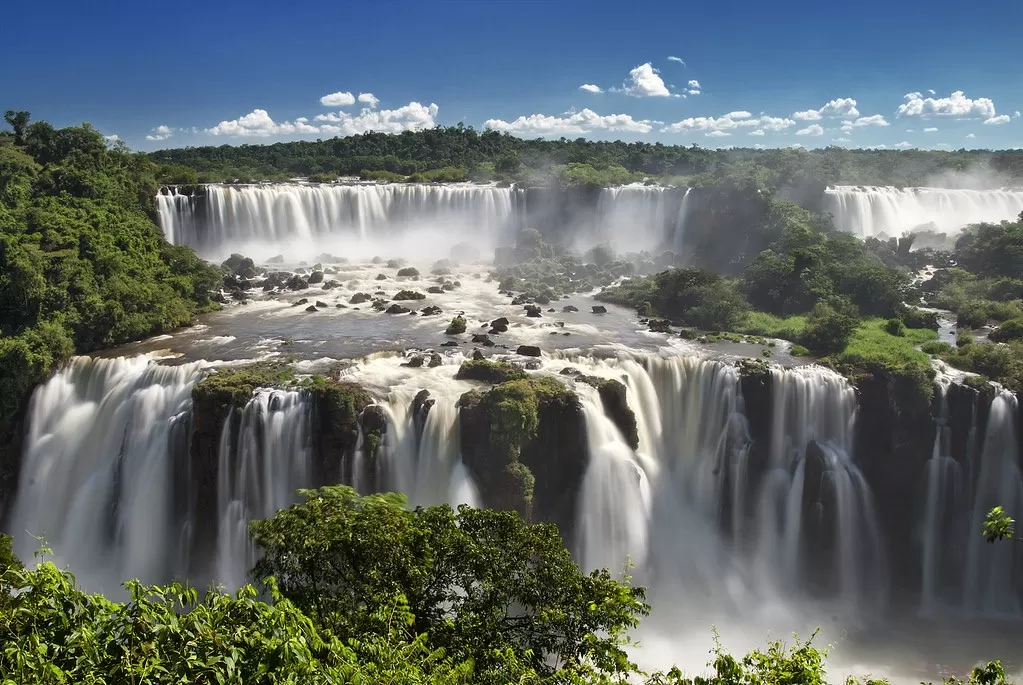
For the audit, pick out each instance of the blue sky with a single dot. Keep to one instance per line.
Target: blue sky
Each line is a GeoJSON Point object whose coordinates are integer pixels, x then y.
{"type": "Point", "coordinates": [865, 74]}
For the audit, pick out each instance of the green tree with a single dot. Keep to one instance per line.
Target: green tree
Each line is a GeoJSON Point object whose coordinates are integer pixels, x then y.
{"type": "Point", "coordinates": [18, 121]}
{"type": "Point", "coordinates": [478, 583]}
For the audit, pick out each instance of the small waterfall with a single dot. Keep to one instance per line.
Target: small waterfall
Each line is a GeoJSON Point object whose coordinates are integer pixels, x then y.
{"type": "Point", "coordinates": [990, 586]}
{"type": "Point", "coordinates": [176, 215]}
{"type": "Point", "coordinates": [870, 210]}
{"type": "Point", "coordinates": [100, 457]}
{"type": "Point", "coordinates": [259, 470]}
{"type": "Point", "coordinates": [944, 501]}
{"type": "Point", "coordinates": [614, 510]}
{"type": "Point", "coordinates": [678, 234]}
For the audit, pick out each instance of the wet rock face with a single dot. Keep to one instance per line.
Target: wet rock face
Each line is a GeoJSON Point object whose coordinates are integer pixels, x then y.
{"type": "Point", "coordinates": [209, 412]}
{"type": "Point", "coordinates": [894, 438]}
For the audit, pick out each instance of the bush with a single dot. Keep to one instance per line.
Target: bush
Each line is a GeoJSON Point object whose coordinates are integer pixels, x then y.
{"type": "Point", "coordinates": [895, 327]}
{"type": "Point", "coordinates": [828, 330]}
{"type": "Point", "coordinates": [688, 297]}
{"type": "Point", "coordinates": [1010, 330]}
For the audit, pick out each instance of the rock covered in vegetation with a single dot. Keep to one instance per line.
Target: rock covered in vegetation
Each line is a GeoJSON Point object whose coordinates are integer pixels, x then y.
{"type": "Point", "coordinates": [493, 372]}
{"type": "Point", "coordinates": [456, 327]}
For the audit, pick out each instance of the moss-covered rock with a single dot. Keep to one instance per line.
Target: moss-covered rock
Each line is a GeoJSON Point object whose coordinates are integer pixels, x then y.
{"type": "Point", "coordinates": [524, 443]}
{"type": "Point", "coordinates": [234, 386]}
{"type": "Point", "coordinates": [338, 407]}
{"type": "Point", "coordinates": [614, 399]}
{"type": "Point", "coordinates": [456, 327]}
{"type": "Point", "coordinates": [493, 372]}
{"type": "Point", "coordinates": [409, 295]}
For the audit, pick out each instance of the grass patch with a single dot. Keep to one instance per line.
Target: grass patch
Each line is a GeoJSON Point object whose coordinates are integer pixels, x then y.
{"type": "Point", "coordinates": [771, 326]}
{"type": "Point", "coordinates": [873, 344]}
{"type": "Point", "coordinates": [236, 385]}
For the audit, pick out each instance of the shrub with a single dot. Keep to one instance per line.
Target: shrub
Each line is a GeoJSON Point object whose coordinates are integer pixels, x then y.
{"type": "Point", "coordinates": [895, 327]}
{"type": "Point", "coordinates": [1010, 330]}
{"type": "Point", "coordinates": [828, 330]}
{"type": "Point", "coordinates": [456, 327]}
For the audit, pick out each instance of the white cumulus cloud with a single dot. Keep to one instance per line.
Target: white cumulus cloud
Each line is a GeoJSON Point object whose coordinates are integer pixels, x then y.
{"type": "Point", "coordinates": [971, 136]}
{"type": "Point", "coordinates": [728, 122]}
{"type": "Point", "coordinates": [872, 120]}
{"type": "Point", "coordinates": [931, 129]}
{"type": "Point", "coordinates": [591, 88]}
{"type": "Point", "coordinates": [339, 99]}
{"type": "Point", "coordinates": [644, 81]}
{"type": "Point", "coordinates": [161, 132]}
{"type": "Point", "coordinates": [694, 87]}
{"type": "Point", "coordinates": [904, 144]}
{"type": "Point", "coordinates": [672, 58]}
{"type": "Point", "coordinates": [584, 121]}
{"type": "Point", "coordinates": [112, 138]}
{"type": "Point", "coordinates": [412, 117]}
{"type": "Point", "coordinates": [839, 107]}
{"type": "Point", "coordinates": [259, 124]}
{"type": "Point", "coordinates": [717, 134]}
{"type": "Point", "coordinates": [757, 132]}
{"type": "Point", "coordinates": [840, 140]}
{"type": "Point", "coordinates": [999, 119]}
{"type": "Point", "coordinates": [369, 99]}
{"type": "Point", "coordinates": [811, 130]}
{"type": "Point", "coordinates": [955, 106]}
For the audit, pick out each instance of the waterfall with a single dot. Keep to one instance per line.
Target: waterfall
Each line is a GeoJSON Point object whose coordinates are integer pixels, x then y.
{"type": "Point", "coordinates": [944, 493]}
{"type": "Point", "coordinates": [106, 440]}
{"type": "Point", "coordinates": [990, 572]}
{"type": "Point", "coordinates": [259, 471]}
{"type": "Point", "coordinates": [615, 504]}
{"type": "Point", "coordinates": [870, 210]}
{"type": "Point", "coordinates": [678, 233]}
{"type": "Point", "coordinates": [761, 529]}
{"type": "Point", "coordinates": [411, 218]}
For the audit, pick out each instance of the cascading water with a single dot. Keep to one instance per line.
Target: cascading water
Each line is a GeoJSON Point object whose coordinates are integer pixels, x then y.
{"type": "Point", "coordinates": [105, 438]}
{"type": "Point", "coordinates": [750, 522]}
{"type": "Point", "coordinates": [260, 466]}
{"type": "Point", "coordinates": [614, 510]}
{"type": "Point", "coordinates": [990, 586]}
{"type": "Point", "coordinates": [417, 217]}
{"type": "Point", "coordinates": [870, 210]}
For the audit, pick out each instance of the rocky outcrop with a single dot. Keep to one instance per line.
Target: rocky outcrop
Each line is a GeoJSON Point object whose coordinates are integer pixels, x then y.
{"type": "Point", "coordinates": [614, 400]}
{"type": "Point", "coordinates": [524, 443]}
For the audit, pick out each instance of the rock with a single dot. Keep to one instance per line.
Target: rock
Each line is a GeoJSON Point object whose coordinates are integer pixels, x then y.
{"type": "Point", "coordinates": [550, 310]}
{"type": "Point", "coordinates": [449, 343]}
{"type": "Point", "coordinates": [320, 304]}
{"type": "Point", "coordinates": [409, 295]}
{"type": "Point", "coordinates": [435, 360]}
{"type": "Point", "coordinates": [341, 306]}
{"type": "Point", "coordinates": [500, 322]}
{"type": "Point", "coordinates": [422, 403]}
{"type": "Point", "coordinates": [533, 364]}
{"type": "Point", "coordinates": [407, 272]}
{"type": "Point", "coordinates": [482, 339]}
{"type": "Point", "coordinates": [378, 260]}
{"type": "Point", "coordinates": [570, 371]}
{"type": "Point", "coordinates": [528, 350]}
{"type": "Point", "coordinates": [415, 361]}
{"type": "Point", "coordinates": [330, 285]}
{"type": "Point", "coordinates": [300, 302]}
{"type": "Point", "coordinates": [316, 277]}
{"type": "Point", "coordinates": [569, 308]}
{"type": "Point", "coordinates": [543, 299]}
{"type": "Point", "coordinates": [477, 354]}
{"type": "Point", "coordinates": [359, 298]}
{"type": "Point", "coordinates": [276, 259]}
{"type": "Point", "coordinates": [532, 311]}
{"type": "Point", "coordinates": [397, 309]}
{"type": "Point", "coordinates": [381, 277]}
{"type": "Point", "coordinates": [435, 290]}
{"type": "Point", "coordinates": [296, 282]}
{"type": "Point", "coordinates": [660, 325]}
{"type": "Point", "coordinates": [431, 310]}
{"type": "Point", "coordinates": [599, 309]}
{"type": "Point", "coordinates": [311, 308]}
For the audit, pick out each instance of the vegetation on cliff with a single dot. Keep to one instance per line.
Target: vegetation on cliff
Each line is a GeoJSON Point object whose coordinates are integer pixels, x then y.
{"type": "Point", "coordinates": [489, 371]}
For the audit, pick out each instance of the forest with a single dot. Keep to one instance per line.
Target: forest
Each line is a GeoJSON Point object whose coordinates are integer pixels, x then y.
{"type": "Point", "coordinates": [461, 153]}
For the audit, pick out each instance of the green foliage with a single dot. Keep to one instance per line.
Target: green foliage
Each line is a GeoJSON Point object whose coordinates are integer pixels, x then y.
{"type": "Point", "coordinates": [895, 327]}
{"type": "Point", "coordinates": [1009, 330]}
{"type": "Point", "coordinates": [769, 325]}
{"type": "Point", "coordinates": [999, 362]}
{"type": "Point", "coordinates": [478, 583]}
{"type": "Point", "coordinates": [799, 351]}
{"type": "Point", "coordinates": [810, 262]}
{"type": "Point", "coordinates": [992, 249]}
{"type": "Point", "coordinates": [998, 525]}
{"type": "Point", "coordinates": [483, 153]}
{"type": "Point", "coordinates": [689, 297]}
{"type": "Point", "coordinates": [82, 266]}
{"type": "Point", "coordinates": [828, 330]}
{"type": "Point", "coordinates": [489, 371]}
